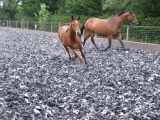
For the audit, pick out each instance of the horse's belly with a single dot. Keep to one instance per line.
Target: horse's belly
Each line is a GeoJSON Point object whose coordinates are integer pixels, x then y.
{"type": "Point", "coordinates": [101, 33]}
{"type": "Point", "coordinates": [105, 32]}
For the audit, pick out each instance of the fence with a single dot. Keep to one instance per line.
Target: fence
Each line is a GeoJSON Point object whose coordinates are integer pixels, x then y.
{"type": "Point", "coordinates": [148, 34]}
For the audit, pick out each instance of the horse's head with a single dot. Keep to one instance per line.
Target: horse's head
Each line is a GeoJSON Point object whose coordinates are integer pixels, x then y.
{"type": "Point", "coordinates": [132, 18]}
{"type": "Point", "coordinates": [75, 24]}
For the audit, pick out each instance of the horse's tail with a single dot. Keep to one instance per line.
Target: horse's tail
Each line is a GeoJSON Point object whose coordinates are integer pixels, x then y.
{"type": "Point", "coordinates": [82, 28]}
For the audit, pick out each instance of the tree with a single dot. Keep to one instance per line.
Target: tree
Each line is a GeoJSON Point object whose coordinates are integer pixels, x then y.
{"type": "Point", "coordinates": [30, 7]}
{"type": "Point", "coordinates": [116, 6]}
{"type": "Point", "coordinates": [150, 8]}
{"type": "Point", "coordinates": [51, 5]}
{"type": "Point", "coordinates": [81, 7]}
{"type": "Point", "coordinates": [43, 13]}
{"type": "Point", "coordinates": [10, 7]}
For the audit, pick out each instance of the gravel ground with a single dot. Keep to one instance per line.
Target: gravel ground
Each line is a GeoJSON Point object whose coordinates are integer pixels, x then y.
{"type": "Point", "coordinates": [39, 82]}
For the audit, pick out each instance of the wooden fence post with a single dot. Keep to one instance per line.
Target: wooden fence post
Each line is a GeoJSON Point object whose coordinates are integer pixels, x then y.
{"type": "Point", "coordinates": [41, 25]}
{"type": "Point", "coordinates": [21, 24]}
{"type": "Point", "coordinates": [127, 34]}
{"type": "Point", "coordinates": [27, 24]}
{"type": "Point", "coordinates": [51, 27]}
{"type": "Point", "coordinates": [16, 24]}
{"type": "Point", "coordinates": [7, 23]}
{"type": "Point", "coordinates": [60, 24]}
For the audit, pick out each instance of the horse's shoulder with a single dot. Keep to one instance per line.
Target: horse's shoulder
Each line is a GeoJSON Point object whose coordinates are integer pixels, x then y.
{"type": "Point", "coordinates": [64, 28]}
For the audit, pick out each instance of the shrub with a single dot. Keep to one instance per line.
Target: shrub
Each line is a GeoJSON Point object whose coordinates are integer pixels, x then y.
{"type": "Point", "coordinates": [4, 16]}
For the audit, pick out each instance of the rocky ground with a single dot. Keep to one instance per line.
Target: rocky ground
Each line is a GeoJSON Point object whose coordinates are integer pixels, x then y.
{"type": "Point", "coordinates": [39, 82]}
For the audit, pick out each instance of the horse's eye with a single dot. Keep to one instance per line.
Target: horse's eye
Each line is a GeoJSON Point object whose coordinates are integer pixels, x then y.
{"type": "Point", "coordinates": [73, 24]}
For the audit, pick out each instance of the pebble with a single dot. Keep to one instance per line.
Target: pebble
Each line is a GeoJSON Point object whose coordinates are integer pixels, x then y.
{"type": "Point", "coordinates": [38, 81]}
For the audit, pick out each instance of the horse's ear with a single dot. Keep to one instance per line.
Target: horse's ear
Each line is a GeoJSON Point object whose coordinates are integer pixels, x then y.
{"type": "Point", "coordinates": [131, 11]}
{"type": "Point", "coordinates": [72, 18]}
{"type": "Point", "coordinates": [78, 18]}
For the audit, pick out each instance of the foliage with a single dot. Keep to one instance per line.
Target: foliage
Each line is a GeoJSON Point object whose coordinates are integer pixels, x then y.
{"type": "Point", "coordinates": [29, 7]}
{"type": "Point", "coordinates": [149, 21]}
{"type": "Point", "coordinates": [9, 7]}
{"type": "Point", "coordinates": [43, 13]}
{"type": "Point", "coordinates": [81, 7]}
{"type": "Point", "coordinates": [20, 16]}
{"type": "Point", "coordinates": [52, 5]}
{"type": "Point", "coordinates": [66, 18]}
{"type": "Point", "coordinates": [150, 8]}
{"type": "Point", "coordinates": [4, 16]}
{"type": "Point", "coordinates": [116, 6]}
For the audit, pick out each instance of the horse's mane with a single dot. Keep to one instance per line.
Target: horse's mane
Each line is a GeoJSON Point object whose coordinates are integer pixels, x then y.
{"type": "Point", "coordinates": [121, 13]}
{"type": "Point", "coordinates": [118, 14]}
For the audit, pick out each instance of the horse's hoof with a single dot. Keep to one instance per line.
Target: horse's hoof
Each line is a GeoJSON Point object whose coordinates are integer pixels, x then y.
{"type": "Point", "coordinates": [123, 48]}
{"type": "Point", "coordinates": [105, 49]}
{"type": "Point", "coordinates": [86, 68]}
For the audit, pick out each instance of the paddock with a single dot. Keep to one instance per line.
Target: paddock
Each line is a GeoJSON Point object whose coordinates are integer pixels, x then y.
{"type": "Point", "coordinates": [38, 81]}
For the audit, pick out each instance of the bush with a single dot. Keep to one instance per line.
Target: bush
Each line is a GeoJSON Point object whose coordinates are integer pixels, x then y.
{"type": "Point", "coordinates": [4, 16]}
{"type": "Point", "coordinates": [65, 18]}
{"type": "Point", "coordinates": [150, 21]}
{"type": "Point", "coordinates": [20, 16]}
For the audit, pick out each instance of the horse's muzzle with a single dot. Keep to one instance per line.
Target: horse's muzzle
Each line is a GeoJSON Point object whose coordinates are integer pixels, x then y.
{"type": "Point", "coordinates": [78, 33]}
{"type": "Point", "coordinates": [135, 23]}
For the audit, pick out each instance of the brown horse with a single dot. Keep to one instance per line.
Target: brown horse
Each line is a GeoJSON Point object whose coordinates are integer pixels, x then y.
{"type": "Point", "coordinates": [70, 37]}
{"type": "Point", "coordinates": [108, 27]}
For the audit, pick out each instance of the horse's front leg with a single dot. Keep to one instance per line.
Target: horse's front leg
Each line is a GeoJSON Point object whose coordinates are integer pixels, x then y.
{"type": "Point", "coordinates": [109, 41]}
{"type": "Point", "coordinates": [67, 51]}
{"type": "Point", "coordinates": [83, 55]}
{"type": "Point", "coordinates": [80, 59]}
{"type": "Point", "coordinates": [120, 39]}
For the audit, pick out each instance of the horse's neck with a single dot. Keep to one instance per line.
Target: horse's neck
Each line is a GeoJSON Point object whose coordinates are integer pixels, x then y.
{"type": "Point", "coordinates": [72, 34]}
{"type": "Point", "coordinates": [118, 20]}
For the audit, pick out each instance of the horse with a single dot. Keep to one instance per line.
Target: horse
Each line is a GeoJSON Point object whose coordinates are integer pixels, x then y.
{"type": "Point", "coordinates": [108, 27]}
{"type": "Point", "coordinates": [70, 36]}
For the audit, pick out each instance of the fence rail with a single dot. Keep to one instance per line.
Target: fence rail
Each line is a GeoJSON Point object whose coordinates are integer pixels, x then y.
{"type": "Point", "coordinates": [147, 34]}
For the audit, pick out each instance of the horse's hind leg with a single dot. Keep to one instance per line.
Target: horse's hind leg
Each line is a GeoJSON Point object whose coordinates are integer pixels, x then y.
{"type": "Point", "coordinates": [91, 34]}
{"type": "Point", "coordinates": [85, 38]}
{"type": "Point", "coordinates": [92, 39]}
{"type": "Point", "coordinates": [80, 59]}
{"type": "Point", "coordinates": [67, 51]}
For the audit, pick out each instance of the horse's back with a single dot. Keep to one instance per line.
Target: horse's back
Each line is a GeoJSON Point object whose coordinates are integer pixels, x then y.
{"type": "Point", "coordinates": [97, 26]}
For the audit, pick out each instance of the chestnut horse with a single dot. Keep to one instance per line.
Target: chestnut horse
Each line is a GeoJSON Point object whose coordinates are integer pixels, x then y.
{"type": "Point", "coordinates": [70, 37]}
{"type": "Point", "coordinates": [108, 27]}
